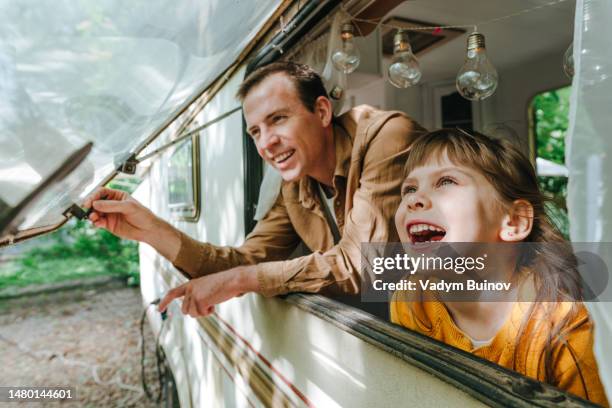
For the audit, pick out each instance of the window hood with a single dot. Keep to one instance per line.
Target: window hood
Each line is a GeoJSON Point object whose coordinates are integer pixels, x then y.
{"type": "Point", "coordinates": [111, 73]}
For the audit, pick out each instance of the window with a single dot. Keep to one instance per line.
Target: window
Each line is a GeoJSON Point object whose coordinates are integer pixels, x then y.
{"type": "Point", "coordinates": [184, 181]}
{"type": "Point", "coordinates": [451, 110]}
{"type": "Point", "coordinates": [549, 112]}
{"type": "Point", "coordinates": [456, 112]}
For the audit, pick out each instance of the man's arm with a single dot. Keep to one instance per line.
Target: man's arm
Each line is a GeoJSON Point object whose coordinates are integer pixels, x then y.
{"type": "Point", "coordinates": [125, 217]}
{"type": "Point", "coordinates": [272, 238]}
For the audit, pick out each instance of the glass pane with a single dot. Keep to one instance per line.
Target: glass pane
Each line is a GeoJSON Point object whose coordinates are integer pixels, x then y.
{"type": "Point", "coordinates": [109, 72]}
{"type": "Point", "coordinates": [181, 186]}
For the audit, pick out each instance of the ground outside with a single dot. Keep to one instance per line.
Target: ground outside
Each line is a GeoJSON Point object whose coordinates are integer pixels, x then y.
{"type": "Point", "coordinates": [88, 339]}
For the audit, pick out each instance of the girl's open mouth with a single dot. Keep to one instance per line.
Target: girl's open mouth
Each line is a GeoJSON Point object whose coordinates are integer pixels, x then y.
{"type": "Point", "coordinates": [424, 232]}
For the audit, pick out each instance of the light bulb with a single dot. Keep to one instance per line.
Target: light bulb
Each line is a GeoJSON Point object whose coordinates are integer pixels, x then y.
{"type": "Point", "coordinates": [477, 78]}
{"type": "Point", "coordinates": [404, 70]}
{"type": "Point", "coordinates": [568, 61]}
{"type": "Point", "coordinates": [346, 58]}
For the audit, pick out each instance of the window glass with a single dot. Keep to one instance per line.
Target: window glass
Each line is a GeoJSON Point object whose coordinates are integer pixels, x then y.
{"type": "Point", "coordinates": [456, 112]}
{"type": "Point", "coordinates": [109, 72]}
{"type": "Point", "coordinates": [183, 181]}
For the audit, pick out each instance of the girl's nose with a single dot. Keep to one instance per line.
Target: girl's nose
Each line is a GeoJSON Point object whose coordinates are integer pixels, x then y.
{"type": "Point", "coordinates": [418, 201]}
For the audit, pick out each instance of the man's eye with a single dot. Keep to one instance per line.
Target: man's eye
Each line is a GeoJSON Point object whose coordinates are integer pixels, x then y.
{"type": "Point", "coordinates": [445, 181]}
{"type": "Point", "coordinates": [279, 118]}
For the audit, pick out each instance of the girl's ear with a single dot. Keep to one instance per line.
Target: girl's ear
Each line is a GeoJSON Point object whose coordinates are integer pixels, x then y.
{"type": "Point", "coordinates": [323, 108]}
{"type": "Point", "coordinates": [518, 222]}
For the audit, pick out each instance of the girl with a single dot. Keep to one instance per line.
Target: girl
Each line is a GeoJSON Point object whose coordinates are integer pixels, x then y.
{"type": "Point", "coordinates": [470, 188]}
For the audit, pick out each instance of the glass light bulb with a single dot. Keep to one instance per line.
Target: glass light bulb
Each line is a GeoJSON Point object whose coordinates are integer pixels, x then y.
{"type": "Point", "coordinates": [568, 61]}
{"type": "Point", "coordinates": [477, 79]}
{"type": "Point", "coordinates": [404, 70]}
{"type": "Point", "coordinates": [346, 58]}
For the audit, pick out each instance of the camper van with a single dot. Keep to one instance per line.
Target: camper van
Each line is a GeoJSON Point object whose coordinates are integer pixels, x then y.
{"type": "Point", "coordinates": [153, 86]}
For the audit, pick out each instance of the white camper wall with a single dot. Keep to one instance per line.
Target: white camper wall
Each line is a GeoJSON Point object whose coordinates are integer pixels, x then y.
{"type": "Point", "coordinates": [409, 100]}
{"type": "Point", "coordinates": [201, 380]}
{"type": "Point", "coordinates": [221, 173]}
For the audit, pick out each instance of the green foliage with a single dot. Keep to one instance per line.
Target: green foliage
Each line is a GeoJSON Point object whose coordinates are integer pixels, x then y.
{"type": "Point", "coordinates": [127, 184]}
{"type": "Point", "coordinates": [551, 111]}
{"type": "Point", "coordinates": [551, 114]}
{"type": "Point", "coordinates": [78, 250]}
{"type": "Point", "coordinates": [75, 251]}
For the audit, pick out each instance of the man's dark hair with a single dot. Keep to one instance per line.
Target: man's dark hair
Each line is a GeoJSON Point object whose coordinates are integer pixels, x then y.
{"type": "Point", "coordinates": [307, 82]}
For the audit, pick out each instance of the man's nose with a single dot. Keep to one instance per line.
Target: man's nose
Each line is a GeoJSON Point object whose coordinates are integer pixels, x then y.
{"type": "Point", "coordinates": [418, 201]}
{"type": "Point", "coordinates": [268, 139]}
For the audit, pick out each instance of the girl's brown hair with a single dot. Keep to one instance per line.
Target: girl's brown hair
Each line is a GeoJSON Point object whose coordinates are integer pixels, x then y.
{"type": "Point", "coordinates": [550, 261]}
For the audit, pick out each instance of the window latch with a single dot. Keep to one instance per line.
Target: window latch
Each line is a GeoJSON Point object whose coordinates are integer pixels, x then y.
{"type": "Point", "coordinates": [129, 165]}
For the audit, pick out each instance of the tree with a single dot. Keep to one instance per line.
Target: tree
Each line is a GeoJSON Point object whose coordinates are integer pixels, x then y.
{"type": "Point", "coordinates": [551, 117]}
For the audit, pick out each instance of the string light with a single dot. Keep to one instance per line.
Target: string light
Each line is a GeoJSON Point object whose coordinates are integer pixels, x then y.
{"type": "Point", "coordinates": [477, 78]}
{"type": "Point", "coordinates": [346, 59]}
{"type": "Point", "coordinates": [404, 70]}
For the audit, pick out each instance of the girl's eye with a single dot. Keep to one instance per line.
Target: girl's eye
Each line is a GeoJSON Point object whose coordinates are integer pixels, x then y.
{"type": "Point", "coordinates": [445, 181]}
{"type": "Point", "coordinates": [408, 190]}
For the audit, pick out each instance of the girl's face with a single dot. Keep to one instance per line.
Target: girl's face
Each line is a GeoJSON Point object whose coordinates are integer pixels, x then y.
{"type": "Point", "coordinates": [445, 202]}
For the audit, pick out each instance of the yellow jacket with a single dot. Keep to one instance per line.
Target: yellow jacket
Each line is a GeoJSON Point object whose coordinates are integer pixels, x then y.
{"type": "Point", "coordinates": [571, 357]}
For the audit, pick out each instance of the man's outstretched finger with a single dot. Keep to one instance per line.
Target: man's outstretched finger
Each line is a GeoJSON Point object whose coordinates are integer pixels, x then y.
{"type": "Point", "coordinates": [171, 295]}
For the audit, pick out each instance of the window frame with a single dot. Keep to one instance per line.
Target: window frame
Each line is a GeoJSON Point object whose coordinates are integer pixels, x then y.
{"type": "Point", "coordinates": [480, 378]}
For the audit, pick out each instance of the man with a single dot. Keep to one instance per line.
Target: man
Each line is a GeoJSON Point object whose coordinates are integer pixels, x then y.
{"type": "Point", "coordinates": [341, 187]}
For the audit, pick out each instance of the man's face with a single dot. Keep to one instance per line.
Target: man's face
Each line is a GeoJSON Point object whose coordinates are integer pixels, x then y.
{"type": "Point", "coordinates": [287, 135]}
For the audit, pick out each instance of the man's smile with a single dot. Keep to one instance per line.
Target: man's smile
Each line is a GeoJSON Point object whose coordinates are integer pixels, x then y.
{"type": "Point", "coordinates": [282, 157]}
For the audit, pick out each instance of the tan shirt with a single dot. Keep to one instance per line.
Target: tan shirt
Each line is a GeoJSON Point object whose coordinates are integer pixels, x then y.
{"type": "Point", "coordinates": [371, 150]}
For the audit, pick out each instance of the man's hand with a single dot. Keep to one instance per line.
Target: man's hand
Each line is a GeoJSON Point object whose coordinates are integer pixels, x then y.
{"type": "Point", "coordinates": [125, 217]}
{"type": "Point", "coordinates": [202, 294]}
{"type": "Point", "coordinates": [119, 213]}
